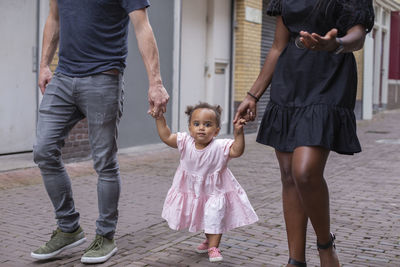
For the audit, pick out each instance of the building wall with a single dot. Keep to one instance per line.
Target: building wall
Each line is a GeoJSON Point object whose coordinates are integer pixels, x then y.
{"type": "Point", "coordinates": [136, 126]}
{"type": "Point", "coordinates": [268, 34]}
{"type": "Point", "coordinates": [247, 51]}
{"type": "Point", "coordinates": [394, 64]}
{"type": "Point", "coordinates": [18, 75]}
{"type": "Point", "coordinates": [359, 55]}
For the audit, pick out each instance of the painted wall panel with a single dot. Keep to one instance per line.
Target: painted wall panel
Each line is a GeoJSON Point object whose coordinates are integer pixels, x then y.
{"type": "Point", "coordinates": [137, 127]}
{"type": "Point", "coordinates": [18, 90]}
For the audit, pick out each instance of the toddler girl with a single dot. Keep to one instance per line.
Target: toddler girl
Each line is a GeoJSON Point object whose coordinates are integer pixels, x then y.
{"type": "Point", "coordinates": [204, 194]}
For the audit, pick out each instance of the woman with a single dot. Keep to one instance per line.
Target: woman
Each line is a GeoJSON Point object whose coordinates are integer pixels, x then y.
{"type": "Point", "coordinates": [313, 91]}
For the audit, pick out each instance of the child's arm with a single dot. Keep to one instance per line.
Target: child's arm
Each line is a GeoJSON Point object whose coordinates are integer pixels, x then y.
{"type": "Point", "coordinates": [165, 133]}
{"type": "Point", "coordinates": [237, 147]}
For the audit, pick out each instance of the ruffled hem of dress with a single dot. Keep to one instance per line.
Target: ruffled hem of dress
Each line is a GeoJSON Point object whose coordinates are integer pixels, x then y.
{"type": "Point", "coordinates": [213, 214]}
{"type": "Point", "coordinates": [331, 127]}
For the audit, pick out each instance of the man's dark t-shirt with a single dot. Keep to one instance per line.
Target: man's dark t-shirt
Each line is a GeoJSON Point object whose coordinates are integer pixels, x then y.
{"type": "Point", "coordinates": [93, 35]}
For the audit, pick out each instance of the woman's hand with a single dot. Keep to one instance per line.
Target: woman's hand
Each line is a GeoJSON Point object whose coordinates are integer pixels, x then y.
{"type": "Point", "coordinates": [246, 110]}
{"type": "Point", "coordinates": [317, 42]}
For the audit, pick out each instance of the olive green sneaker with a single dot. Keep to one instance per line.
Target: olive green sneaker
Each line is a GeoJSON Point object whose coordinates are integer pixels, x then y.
{"type": "Point", "coordinates": [59, 241]}
{"type": "Point", "coordinates": [100, 250]}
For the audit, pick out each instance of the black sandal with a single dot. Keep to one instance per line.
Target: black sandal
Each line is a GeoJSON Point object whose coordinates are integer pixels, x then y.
{"type": "Point", "coordinates": [297, 263]}
{"type": "Point", "coordinates": [331, 243]}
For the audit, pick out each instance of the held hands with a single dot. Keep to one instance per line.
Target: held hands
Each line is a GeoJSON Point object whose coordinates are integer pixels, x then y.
{"type": "Point", "coordinates": [247, 110]}
{"type": "Point", "coordinates": [317, 42]}
{"type": "Point", "coordinates": [45, 76]}
{"type": "Point", "coordinates": [238, 126]}
{"type": "Point", "coordinates": [158, 98]}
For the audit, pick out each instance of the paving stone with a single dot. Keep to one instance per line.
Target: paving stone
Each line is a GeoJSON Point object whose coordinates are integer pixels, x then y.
{"type": "Point", "coordinates": [364, 194]}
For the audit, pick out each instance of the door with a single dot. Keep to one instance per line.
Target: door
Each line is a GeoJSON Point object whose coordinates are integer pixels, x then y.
{"type": "Point", "coordinates": [205, 57]}
{"type": "Point", "coordinates": [193, 57]}
{"type": "Point", "coordinates": [18, 89]}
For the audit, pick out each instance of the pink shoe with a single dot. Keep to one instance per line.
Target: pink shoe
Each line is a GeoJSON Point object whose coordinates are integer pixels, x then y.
{"type": "Point", "coordinates": [203, 247]}
{"type": "Point", "coordinates": [214, 254]}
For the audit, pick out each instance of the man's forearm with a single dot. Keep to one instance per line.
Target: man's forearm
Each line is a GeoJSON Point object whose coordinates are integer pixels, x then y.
{"type": "Point", "coordinates": [149, 51]}
{"type": "Point", "coordinates": [50, 40]}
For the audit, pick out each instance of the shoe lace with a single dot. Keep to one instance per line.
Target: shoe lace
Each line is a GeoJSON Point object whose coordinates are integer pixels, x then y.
{"type": "Point", "coordinates": [52, 236]}
{"type": "Point", "coordinates": [96, 244]}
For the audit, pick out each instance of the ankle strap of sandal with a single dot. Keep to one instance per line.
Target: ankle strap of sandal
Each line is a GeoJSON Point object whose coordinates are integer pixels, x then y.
{"type": "Point", "coordinates": [297, 263]}
{"type": "Point", "coordinates": [329, 244]}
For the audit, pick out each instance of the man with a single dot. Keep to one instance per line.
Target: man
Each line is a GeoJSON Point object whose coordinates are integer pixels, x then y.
{"type": "Point", "coordinates": [92, 37]}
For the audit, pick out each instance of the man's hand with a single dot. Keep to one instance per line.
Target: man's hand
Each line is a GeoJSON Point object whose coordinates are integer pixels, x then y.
{"type": "Point", "coordinates": [45, 76]}
{"type": "Point", "coordinates": [158, 98]}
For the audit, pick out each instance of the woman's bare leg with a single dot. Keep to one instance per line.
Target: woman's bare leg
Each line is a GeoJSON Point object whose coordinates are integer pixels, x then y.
{"type": "Point", "coordinates": [308, 164]}
{"type": "Point", "coordinates": [293, 211]}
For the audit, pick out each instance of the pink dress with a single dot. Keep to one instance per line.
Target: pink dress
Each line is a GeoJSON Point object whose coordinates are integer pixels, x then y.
{"type": "Point", "coordinates": [204, 194]}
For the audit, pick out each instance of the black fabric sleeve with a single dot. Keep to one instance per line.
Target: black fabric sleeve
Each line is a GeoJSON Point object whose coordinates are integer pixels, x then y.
{"type": "Point", "coordinates": [274, 8]}
{"type": "Point", "coordinates": [352, 12]}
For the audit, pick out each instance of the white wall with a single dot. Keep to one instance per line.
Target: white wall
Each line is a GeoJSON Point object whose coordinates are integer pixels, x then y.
{"type": "Point", "coordinates": [18, 90]}
{"type": "Point", "coordinates": [204, 56]}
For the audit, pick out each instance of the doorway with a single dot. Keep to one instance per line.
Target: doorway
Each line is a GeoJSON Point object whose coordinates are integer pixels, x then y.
{"type": "Point", "coordinates": [18, 89]}
{"type": "Point", "coordinates": [205, 57]}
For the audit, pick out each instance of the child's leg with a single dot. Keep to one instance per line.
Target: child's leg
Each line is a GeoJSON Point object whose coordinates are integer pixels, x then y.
{"type": "Point", "coordinates": [213, 240]}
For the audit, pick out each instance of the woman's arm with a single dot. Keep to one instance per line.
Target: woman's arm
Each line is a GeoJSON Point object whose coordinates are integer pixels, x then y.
{"type": "Point", "coordinates": [247, 108]}
{"type": "Point", "coordinates": [165, 133]}
{"type": "Point", "coordinates": [352, 41]}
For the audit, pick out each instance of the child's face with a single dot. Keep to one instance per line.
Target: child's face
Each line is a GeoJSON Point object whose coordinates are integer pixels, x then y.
{"type": "Point", "coordinates": [203, 126]}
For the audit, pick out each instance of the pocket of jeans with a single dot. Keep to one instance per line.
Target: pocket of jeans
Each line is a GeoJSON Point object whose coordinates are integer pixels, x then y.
{"type": "Point", "coordinates": [105, 79]}
{"type": "Point", "coordinates": [121, 103]}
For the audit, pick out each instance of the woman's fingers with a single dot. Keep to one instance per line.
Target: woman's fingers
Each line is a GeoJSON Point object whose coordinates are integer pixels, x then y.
{"type": "Point", "coordinates": [308, 40]}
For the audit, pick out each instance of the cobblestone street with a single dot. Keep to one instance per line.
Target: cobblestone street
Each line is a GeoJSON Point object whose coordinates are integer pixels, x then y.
{"type": "Point", "coordinates": [364, 193]}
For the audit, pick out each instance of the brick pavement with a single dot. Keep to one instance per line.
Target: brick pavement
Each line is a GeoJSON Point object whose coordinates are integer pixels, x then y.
{"type": "Point", "coordinates": [365, 208]}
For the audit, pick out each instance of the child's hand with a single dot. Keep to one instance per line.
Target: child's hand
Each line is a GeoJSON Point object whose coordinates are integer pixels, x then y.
{"type": "Point", "coordinates": [153, 114]}
{"type": "Point", "coordinates": [238, 126]}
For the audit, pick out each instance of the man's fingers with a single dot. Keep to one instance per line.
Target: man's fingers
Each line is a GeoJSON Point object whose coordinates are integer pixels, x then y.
{"type": "Point", "coordinates": [163, 108]}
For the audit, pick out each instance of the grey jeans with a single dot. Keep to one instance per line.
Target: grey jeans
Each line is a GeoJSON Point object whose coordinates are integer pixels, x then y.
{"type": "Point", "coordinates": [66, 101]}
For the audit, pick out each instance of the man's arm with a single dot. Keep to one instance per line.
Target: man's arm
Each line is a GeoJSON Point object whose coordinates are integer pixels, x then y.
{"type": "Point", "coordinates": [158, 96]}
{"type": "Point", "coordinates": [49, 46]}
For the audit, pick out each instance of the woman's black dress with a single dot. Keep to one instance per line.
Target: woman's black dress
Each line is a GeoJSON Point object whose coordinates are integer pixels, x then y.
{"type": "Point", "coordinates": [313, 93]}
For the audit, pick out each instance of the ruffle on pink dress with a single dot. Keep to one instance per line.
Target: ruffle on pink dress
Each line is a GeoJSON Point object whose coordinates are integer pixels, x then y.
{"type": "Point", "coordinates": [205, 196]}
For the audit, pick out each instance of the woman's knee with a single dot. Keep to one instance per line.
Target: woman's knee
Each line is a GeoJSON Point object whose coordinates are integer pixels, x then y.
{"type": "Point", "coordinates": [287, 178]}
{"type": "Point", "coordinates": [305, 177]}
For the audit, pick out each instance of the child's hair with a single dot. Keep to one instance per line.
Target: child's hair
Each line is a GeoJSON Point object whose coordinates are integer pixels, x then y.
{"type": "Point", "coordinates": [216, 108]}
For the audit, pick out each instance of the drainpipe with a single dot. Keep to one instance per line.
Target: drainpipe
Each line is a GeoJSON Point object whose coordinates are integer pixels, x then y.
{"type": "Point", "coordinates": [232, 53]}
{"type": "Point", "coordinates": [37, 55]}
